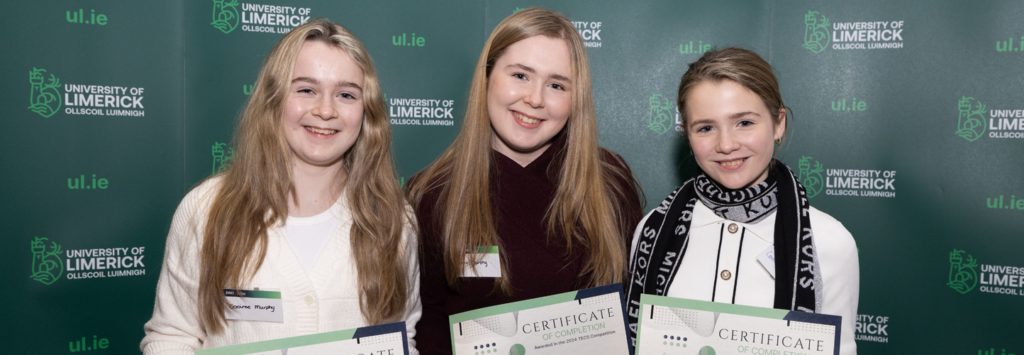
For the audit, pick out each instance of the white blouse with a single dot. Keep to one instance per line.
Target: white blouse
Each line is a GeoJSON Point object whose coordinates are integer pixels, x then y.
{"type": "Point", "coordinates": [721, 265]}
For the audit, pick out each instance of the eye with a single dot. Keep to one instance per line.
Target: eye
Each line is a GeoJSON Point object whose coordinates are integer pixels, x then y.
{"type": "Point", "coordinates": [346, 95]}
{"type": "Point", "coordinates": [305, 90]}
{"type": "Point", "coordinates": [519, 76]}
{"type": "Point", "coordinates": [746, 123]}
{"type": "Point", "coordinates": [703, 129]}
{"type": "Point", "coordinates": [557, 86]}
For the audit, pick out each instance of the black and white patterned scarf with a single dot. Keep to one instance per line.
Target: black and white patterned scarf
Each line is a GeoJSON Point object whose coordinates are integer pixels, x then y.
{"type": "Point", "coordinates": [665, 236]}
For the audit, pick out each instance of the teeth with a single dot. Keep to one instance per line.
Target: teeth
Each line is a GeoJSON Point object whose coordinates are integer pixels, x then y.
{"type": "Point", "coordinates": [732, 163]}
{"type": "Point", "coordinates": [321, 131]}
{"type": "Point", "coordinates": [525, 119]}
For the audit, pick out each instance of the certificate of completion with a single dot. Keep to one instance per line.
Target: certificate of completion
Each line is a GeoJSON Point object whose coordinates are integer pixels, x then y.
{"type": "Point", "coordinates": [589, 321]}
{"type": "Point", "coordinates": [384, 339]}
{"type": "Point", "coordinates": [682, 326]}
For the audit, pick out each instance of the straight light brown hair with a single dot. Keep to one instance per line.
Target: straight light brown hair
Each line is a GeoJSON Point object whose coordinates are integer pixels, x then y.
{"type": "Point", "coordinates": [586, 205]}
{"type": "Point", "coordinates": [253, 195]}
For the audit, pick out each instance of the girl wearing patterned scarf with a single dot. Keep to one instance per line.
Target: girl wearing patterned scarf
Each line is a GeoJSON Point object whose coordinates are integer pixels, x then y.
{"type": "Point", "coordinates": [742, 231]}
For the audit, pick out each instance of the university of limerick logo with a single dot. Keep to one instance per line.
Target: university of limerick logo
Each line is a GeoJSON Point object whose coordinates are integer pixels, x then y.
{"type": "Point", "coordinates": [962, 274]}
{"type": "Point", "coordinates": [810, 176]}
{"type": "Point", "coordinates": [659, 118]}
{"type": "Point", "coordinates": [46, 266]}
{"type": "Point", "coordinates": [222, 156]}
{"type": "Point", "coordinates": [225, 15]}
{"type": "Point", "coordinates": [816, 37]}
{"type": "Point", "coordinates": [44, 99]}
{"type": "Point", "coordinates": [971, 123]}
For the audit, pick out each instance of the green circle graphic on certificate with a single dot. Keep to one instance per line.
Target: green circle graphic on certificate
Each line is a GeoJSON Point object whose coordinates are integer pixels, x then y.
{"type": "Point", "coordinates": [707, 350]}
{"type": "Point", "coordinates": [517, 349]}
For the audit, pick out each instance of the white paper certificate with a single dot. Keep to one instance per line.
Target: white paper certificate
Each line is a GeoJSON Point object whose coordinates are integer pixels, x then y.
{"type": "Point", "coordinates": [384, 339]}
{"type": "Point", "coordinates": [587, 321]}
{"type": "Point", "coordinates": [682, 326]}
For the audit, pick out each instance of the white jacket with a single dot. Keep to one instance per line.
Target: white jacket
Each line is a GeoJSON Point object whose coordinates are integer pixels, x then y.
{"type": "Point", "coordinates": [326, 299]}
{"type": "Point", "coordinates": [713, 245]}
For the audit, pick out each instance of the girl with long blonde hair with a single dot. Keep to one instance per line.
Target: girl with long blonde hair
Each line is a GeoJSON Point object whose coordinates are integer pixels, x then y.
{"type": "Point", "coordinates": [526, 177]}
{"type": "Point", "coordinates": [309, 207]}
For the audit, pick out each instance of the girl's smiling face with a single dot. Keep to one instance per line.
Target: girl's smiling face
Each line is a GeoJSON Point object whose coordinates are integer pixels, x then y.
{"type": "Point", "coordinates": [731, 132]}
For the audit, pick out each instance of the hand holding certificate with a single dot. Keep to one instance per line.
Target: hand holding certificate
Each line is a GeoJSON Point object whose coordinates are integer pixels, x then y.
{"type": "Point", "coordinates": [589, 321]}
{"type": "Point", "coordinates": [682, 326]}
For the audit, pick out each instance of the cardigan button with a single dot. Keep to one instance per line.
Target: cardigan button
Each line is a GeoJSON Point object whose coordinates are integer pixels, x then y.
{"type": "Point", "coordinates": [309, 299]}
{"type": "Point", "coordinates": [733, 228]}
{"type": "Point", "coordinates": [726, 275]}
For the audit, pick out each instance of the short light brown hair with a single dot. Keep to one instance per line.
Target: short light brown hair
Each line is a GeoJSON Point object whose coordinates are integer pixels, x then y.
{"type": "Point", "coordinates": [739, 65]}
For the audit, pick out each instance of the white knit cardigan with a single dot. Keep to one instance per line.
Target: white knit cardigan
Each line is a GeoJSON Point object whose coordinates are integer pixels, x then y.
{"type": "Point", "coordinates": [326, 299]}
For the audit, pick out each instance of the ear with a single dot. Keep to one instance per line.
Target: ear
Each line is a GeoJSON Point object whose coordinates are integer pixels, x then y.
{"type": "Point", "coordinates": [780, 124]}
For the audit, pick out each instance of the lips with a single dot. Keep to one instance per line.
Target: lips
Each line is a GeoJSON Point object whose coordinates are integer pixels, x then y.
{"type": "Point", "coordinates": [732, 164]}
{"type": "Point", "coordinates": [526, 120]}
{"type": "Point", "coordinates": [322, 131]}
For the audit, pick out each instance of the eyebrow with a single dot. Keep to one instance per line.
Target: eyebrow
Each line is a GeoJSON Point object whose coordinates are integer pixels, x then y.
{"type": "Point", "coordinates": [317, 82]}
{"type": "Point", "coordinates": [741, 114]}
{"type": "Point", "coordinates": [731, 117]}
{"type": "Point", "coordinates": [553, 76]}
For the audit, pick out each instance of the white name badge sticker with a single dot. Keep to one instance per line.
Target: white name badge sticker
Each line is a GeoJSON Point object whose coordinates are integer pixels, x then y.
{"type": "Point", "coordinates": [254, 305]}
{"type": "Point", "coordinates": [488, 264]}
{"type": "Point", "coordinates": [767, 259]}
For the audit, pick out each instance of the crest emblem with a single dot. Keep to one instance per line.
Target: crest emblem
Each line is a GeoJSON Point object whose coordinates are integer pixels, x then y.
{"type": "Point", "coordinates": [225, 15]}
{"type": "Point", "coordinates": [659, 118]}
{"type": "Point", "coordinates": [46, 266]}
{"type": "Point", "coordinates": [971, 124]}
{"type": "Point", "coordinates": [810, 176]}
{"type": "Point", "coordinates": [816, 37]}
{"type": "Point", "coordinates": [44, 99]}
{"type": "Point", "coordinates": [222, 156]}
{"type": "Point", "coordinates": [962, 274]}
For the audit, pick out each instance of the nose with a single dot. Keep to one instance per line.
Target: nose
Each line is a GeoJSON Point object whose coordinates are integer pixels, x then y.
{"type": "Point", "coordinates": [325, 108]}
{"type": "Point", "coordinates": [726, 142]}
{"type": "Point", "coordinates": [534, 96]}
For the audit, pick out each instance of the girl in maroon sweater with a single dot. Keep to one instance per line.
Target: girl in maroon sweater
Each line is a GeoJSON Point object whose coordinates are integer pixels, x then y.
{"type": "Point", "coordinates": [526, 175]}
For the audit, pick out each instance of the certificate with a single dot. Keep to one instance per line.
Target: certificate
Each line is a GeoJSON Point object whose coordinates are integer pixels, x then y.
{"type": "Point", "coordinates": [384, 339]}
{"type": "Point", "coordinates": [589, 321]}
{"type": "Point", "coordinates": [682, 326]}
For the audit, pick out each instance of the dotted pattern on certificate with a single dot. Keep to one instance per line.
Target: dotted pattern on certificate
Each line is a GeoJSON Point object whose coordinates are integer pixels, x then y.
{"type": "Point", "coordinates": [473, 328]}
{"type": "Point", "coordinates": [664, 315]}
{"type": "Point", "coordinates": [813, 327]}
{"type": "Point", "coordinates": [605, 298]}
{"type": "Point", "coordinates": [380, 339]}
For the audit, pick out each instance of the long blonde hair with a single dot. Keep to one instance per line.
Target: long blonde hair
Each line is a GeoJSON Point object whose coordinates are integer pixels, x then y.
{"type": "Point", "coordinates": [254, 190]}
{"type": "Point", "coordinates": [584, 209]}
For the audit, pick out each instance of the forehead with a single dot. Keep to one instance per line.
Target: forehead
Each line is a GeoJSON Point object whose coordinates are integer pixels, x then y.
{"type": "Point", "coordinates": [721, 99]}
{"type": "Point", "coordinates": [542, 53]}
{"type": "Point", "coordinates": [326, 63]}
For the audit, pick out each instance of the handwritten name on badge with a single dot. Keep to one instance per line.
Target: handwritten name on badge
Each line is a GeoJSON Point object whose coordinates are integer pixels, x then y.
{"type": "Point", "coordinates": [767, 259]}
{"type": "Point", "coordinates": [254, 305]}
{"type": "Point", "coordinates": [488, 263]}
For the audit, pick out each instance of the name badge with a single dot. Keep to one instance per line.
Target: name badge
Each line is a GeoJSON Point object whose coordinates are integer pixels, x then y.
{"type": "Point", "coordinates": [767, 259]}
{"type": "Point", "coordinates": [488, 263]}
{"type": "Point", "coordinates": [254, 305]}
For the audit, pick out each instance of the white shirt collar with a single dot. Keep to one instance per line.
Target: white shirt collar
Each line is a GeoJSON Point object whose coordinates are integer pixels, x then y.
{"type": "Point", "coordinates": [765, 229]}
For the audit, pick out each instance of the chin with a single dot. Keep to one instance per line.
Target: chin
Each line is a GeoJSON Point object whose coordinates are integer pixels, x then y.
{"type": "Point", "coordinates": [732, 181]}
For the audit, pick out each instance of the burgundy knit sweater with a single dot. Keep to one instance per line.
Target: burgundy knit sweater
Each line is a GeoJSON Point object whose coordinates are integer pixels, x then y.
{"type": "Point", "coordinates": [537, 264]}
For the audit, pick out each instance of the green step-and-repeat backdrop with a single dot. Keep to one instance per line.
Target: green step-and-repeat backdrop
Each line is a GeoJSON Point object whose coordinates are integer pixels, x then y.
{"type": "Point", "coordinates": [908, 127]}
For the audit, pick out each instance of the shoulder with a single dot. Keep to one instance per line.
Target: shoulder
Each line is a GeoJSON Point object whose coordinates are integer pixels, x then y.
{"type": "Point", "coordinates": [610, 157]}
{"type": "Point", "coordinates": [831, 238]}
{"type": "Point", "coordinates": [190, 217]}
